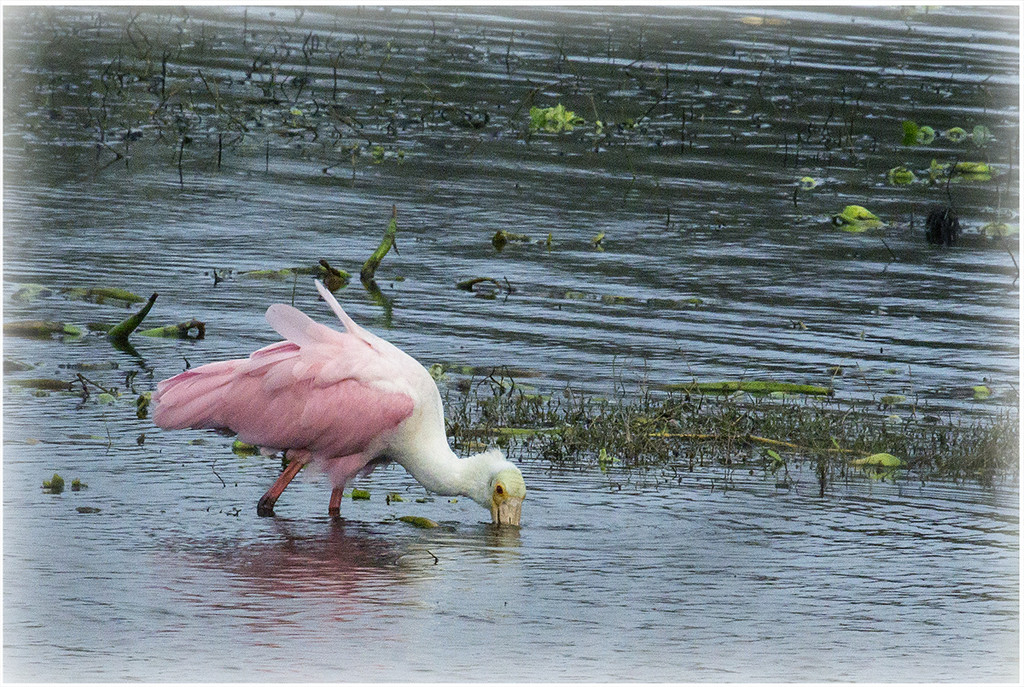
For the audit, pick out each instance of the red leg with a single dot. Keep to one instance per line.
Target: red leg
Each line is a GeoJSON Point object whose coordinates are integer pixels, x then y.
{"type": "Point", "coordinates": [266, 505]}
{"type": "Point", "coordinates": [334, 509]}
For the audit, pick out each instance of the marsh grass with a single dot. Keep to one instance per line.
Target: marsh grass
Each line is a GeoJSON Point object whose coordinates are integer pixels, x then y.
{"type": "Point", "coordinates": [640, 428]}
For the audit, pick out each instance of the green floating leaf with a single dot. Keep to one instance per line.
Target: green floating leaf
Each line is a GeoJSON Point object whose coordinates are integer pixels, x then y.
{"type": "Point", "coordinates": [910, 131]}
{"type": "Point", "coordinates": [240, 448]}
{"type": "Point", "coordinates": [39, 329]}
{"type": "Point", "coordinates": [605, 461]}
{"type": "Point", "coordinates": [885, 460]}
{"type": "Point", "coordinates": [955, 135]}
{"type": "Point", "coordinates": [193, 329]}
{"type": "Point", "coordinates": [980, 135]}
{"type": "Point", "coordinates": [925, 135]}
{"type": "Point", "coordinates": [553, 119]}
{"type": "Point", "coordinates": [360, 495]}
{"type": "Point", "coordinates": [1000, 229]}
{"type": "Point", "coordinates": [981, 392]}
{"type": "Point", "coordinates": [901, 176]}
{"type": "Point", "coordinates": [855, 218]}
{"type": "Point", "coordinates": [417, 521]}
{"type": "Point", "coordinates": [807, 183]}
{"type": "Point", "coordinates": [42, 384]}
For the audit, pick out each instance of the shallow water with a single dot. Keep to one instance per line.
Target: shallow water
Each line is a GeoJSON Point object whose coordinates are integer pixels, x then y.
{"type": "Point", "coordinates": [705, 576]}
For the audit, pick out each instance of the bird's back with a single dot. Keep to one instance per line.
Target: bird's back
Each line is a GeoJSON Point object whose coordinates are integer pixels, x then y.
{"type": "Point", "coordinates": [327, 392]}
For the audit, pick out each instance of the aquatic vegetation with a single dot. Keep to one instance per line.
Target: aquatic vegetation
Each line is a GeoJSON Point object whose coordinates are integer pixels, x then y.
{"type": "Point", "coordinates": [960, 171]}
{"type": "Point", "coordinates": [40, 329]}
{"type": "Point", "coordinates": [240, 448]}
{"type": "Point", "coordinates": [1000, 230]}
{"type": "Point", "coordinates": [750, 387]}
{"type": "Point", "coordinates": [881, 459]}
{"type": "Point", "coordinates": [142, 403]}
{"type": "Point", "coordinates": [856, 219]}
{"type": "Point", "coordinates": [42, 384]}
{"type": "Point", "coordinates": [360, 495]}
{"type": "Point", "coordinates": [955, 134]}
{"type": "Point", "coordinates": [78, 485]}
{"type": "Point", "coordinates": [54, 485]}
{"type": "Point", "coordinates": [120, 332]}
{"type": "Point", "coordinates": [675, 430]}
{"type": "Point", "coordinates": [332, 277]}
{"type": "Point", "coordinates": [417, 521]}
{"type": "Point", "coordinates": [373, 262]}
{"type": "Point", "coordinates": [553, 120]}
{"type": "Point", "coordinates": [191, 329]}
{"type": "Point", "coordinates": [102, 294]}
{"type": "Point", "coordinates": [900, 176]}
{"type": "Point", "coordinates": [501, 238]}
{"type": "Point", "coordinates": [926, 135]}
{"type": "Point", "coordinates": [807, 183]}
{"type": "Point", "coordinates": [485, 292]}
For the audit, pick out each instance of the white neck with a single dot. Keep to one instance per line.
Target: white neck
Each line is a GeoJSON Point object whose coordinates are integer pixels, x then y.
{"type": "Point", "coordinates": [438, 469]}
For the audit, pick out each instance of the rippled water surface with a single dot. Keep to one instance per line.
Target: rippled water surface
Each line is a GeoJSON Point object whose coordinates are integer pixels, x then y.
{"type": "Point", "coordinates": [147, 149]}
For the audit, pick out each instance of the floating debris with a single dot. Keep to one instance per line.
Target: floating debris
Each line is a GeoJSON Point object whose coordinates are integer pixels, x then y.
{"type": "Point", "coordinates": [78, 485]}
{"type": "Point", "coordinates": [360, 495]}
{"type": "Point", "coordinates": [87, 509]}
{"type": "Point", "coordinates": [393, 497]}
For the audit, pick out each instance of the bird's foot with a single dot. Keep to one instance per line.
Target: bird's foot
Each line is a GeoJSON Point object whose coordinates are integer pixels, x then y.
{"type": "Point", "coordinates": [265, 508]}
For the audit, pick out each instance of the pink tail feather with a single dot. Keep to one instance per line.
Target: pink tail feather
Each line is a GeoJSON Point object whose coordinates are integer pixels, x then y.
{"type": "Point", "coordinates": [194, 397]}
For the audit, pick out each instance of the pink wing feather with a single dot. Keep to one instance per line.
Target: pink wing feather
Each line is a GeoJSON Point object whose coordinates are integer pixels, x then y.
{"type": "Point", "coordinates": [317, 392]}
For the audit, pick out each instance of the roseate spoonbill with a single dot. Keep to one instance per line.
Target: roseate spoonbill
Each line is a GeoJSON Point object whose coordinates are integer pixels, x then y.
{"type": "Point", "coordinates": [345, 401]}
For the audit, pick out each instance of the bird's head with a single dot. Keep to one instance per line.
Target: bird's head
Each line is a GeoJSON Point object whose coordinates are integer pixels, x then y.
{"type": "Point", "coordinates": [501, 487]}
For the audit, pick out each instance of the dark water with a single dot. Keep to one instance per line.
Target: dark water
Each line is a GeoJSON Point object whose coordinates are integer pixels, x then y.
{"type": "Point", "coordinates": [322, 120]}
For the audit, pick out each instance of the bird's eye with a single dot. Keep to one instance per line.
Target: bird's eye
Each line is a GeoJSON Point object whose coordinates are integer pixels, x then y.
{"type": "Point", "coordinates": [499, 490]}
